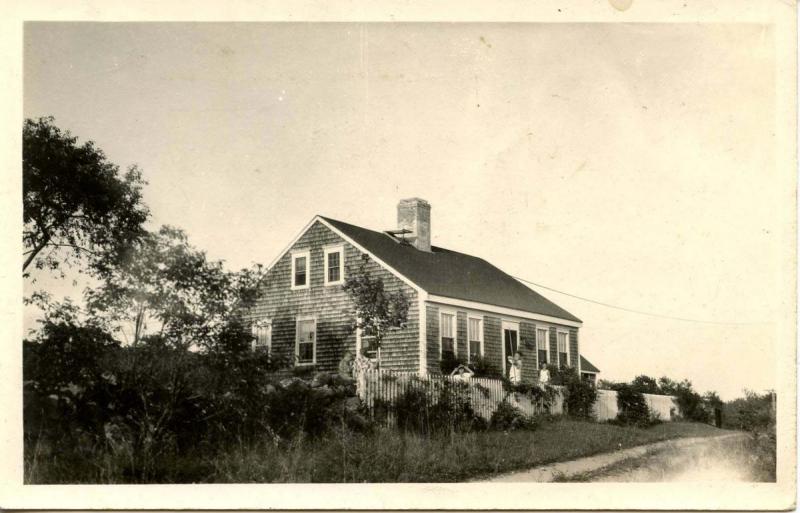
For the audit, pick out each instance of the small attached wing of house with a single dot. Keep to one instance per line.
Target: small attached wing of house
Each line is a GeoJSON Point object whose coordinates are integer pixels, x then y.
{"type": "Point", "coordinates": [587, 367]}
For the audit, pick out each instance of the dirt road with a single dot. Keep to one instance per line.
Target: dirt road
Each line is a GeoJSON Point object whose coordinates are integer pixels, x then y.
{"type": "Point", "coordinates": [719, 458]}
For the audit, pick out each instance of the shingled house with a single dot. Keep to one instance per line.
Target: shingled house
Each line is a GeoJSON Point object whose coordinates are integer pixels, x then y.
{"type": "Point", "coordinates": [459, 304]}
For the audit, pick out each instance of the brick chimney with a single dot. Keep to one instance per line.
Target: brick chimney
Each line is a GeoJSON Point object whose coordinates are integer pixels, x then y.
{"type": "Point", "coordinates": [414, 214]}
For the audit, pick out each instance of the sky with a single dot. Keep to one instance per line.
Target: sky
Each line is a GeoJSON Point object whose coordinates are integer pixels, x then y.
{"type": "Point", "coordinates": [632, 164]}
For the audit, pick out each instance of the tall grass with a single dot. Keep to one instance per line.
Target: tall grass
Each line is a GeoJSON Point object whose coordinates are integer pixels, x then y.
{"type": "Point", "coordinates": [389, 456]}
{"type": "Point", "coordinates": [345, 456]}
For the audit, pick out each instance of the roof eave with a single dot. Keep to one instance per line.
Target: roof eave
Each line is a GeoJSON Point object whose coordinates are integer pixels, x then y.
{"type": "Point", "coordinates": [499, 309]}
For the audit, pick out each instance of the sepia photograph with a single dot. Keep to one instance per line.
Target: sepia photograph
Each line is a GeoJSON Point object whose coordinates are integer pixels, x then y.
{"type": "Point", "coordinates": [485, 254]}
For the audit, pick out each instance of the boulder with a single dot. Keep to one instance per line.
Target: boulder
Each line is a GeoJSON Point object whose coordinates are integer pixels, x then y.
{"type": "Point", "coordinates": [293, 381]}
{"type": "Point", "coordinates": [352, 404]}
{"type": "Point", "coordinates": [339, 380]}
{"type": "Point", "coordinates": [325, 391]}
{"type": "Point", "coordinates": [320, 379]}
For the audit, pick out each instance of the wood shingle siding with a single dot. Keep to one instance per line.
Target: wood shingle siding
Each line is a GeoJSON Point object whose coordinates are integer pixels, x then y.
{"type": "Point", "coordinates": [432, 338]}
{"type": "Point", "coordinates": [527, 345]}
{"type": "Point", "coordinates": [493, 342]}
{"type": "Point", "coordinates": [574, 353]}
{"type": "Point", "coordinates": [461, 335]}
{"type": "Point", "coordinates": [330, 305]}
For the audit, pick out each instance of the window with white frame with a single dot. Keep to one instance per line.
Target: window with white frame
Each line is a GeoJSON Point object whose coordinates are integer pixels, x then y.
{"type": "Point", "coordinates": [300, 270]}
{"type": "Point", "coordinates": [262, 334]}
{"type": "Point", "coordinates": [563, 349]}
{"type": "Point", "coordinates": [334, 265]}
{"type": "Point", "coordinates": [369, 343]}
{"type": "Point", "coordinates": [447, 331]}
{"type": "Point", "coordinates": [541, 345]}
{"type": "Point", "coordinates": [474, 338]}
{"type": "Point", "coordinates": [306, 341]}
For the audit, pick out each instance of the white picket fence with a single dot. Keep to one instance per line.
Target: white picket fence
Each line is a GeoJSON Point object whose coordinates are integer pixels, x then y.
{"type": "Point", "coordinates": [486, 393]}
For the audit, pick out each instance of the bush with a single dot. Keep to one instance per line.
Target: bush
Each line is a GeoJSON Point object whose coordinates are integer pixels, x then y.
{"type": "Point", "coordinates": [581, 395]}
{"type": "Point", "coordinates": [411, 409]}
{"type": "Point", "coordinates": [633, 409]}
{"type": "Point", "coordinates": [534, 392]}
{"type": "Point", "coordinates": [483, 368]}
{"type": "Point", "coordinates": [449, 362]}
{"type": "Point", "coordinates": [508, 417]}
{"type": "Point", "coordinates": [67, 389]}
{"type": "Point", "coordinates": [154, 402]}
{"type": "Point", "coordinates": [762, 448]}
{"type": "Point", "coordinates": [451, 410]}
{"type": "Point", "coordinates": [753, 412]}
{"type": "Point", "coordinates": [691, 404]}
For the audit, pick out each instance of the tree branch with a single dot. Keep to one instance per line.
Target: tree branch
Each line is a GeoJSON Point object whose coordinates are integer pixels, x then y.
{"type": "Point", "coordinates": [35, 251]}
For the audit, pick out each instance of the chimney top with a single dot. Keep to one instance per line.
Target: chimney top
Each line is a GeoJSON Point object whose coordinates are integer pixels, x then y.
{"type": "Point", "coordinates": [412, 201]}
{"type": "Point", "coordinates": [414, 215]}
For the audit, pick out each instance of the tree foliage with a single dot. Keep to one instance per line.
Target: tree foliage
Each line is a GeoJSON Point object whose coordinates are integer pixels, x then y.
{"type": "Point", "coordinates": [645, 385]}
{"type": "Point", "coordinates": [581, 394]}
{"type": "Point", "coordinates": [76, 204]}
{"type": "Point", "coordinates": [691, 404]}
{"type": "Point", "coordinates": [633, 409]}
{"type": "Point", "coordinates": [166, 281]}
{"type": "Point", "coordinates": [753, 412]}
{"type": "Point", "coordinates": [375, 310]}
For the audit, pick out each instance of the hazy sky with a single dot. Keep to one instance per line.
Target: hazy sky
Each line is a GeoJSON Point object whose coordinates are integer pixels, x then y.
{"type": "Point", "coordinates": [632, 164]}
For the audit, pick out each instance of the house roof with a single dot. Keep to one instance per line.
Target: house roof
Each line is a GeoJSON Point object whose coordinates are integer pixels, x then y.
{"type": "Point", "coordinates": [451, 274]}
{"type": "Point", "coordinates": [586, 366]}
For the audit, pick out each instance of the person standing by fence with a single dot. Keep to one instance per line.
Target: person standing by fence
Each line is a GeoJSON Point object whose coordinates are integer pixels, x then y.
{"type": "Point", "coordinates": [544, 375]}
{"type": "Point", "coordinates": [361, 365]}
{"type": "Point", "coordinates": [515, 368]}
{"type": "Point", "coordinates": [462, 373]}
{"type": "Point", "coordinates": [346, 366]}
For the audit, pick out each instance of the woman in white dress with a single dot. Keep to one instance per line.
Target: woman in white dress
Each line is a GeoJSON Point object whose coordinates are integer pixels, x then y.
{"type": "Point", "coordinates": [515, 368]}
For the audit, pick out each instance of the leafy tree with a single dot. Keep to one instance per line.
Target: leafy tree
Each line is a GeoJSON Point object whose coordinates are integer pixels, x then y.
{"type": "Point", "coordinates": [76, 204]}
{"type": "Point", "coordinates": [753, 412]}
{"type": "Point", "coordinates": [166, 281]}
{"type": "Point", "coordinates": [690, 403]}
{"type": "Point", "coordinates": [645, 385]}
{"type": "Point", "coordinates": [606, 384]}
{"type": "Point", "coordinates": [633, 409]}
{"type": "Point", "coordinates": [375, 311]}
{"type": "Point", "coordinates": [669, 386]}
{"type": "Point", "coordinates": [712, 399]}
{"type": "Point", "coordinates": [581, 394]}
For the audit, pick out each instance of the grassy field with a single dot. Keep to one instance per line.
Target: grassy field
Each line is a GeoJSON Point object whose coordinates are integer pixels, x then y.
{"type": "Point", "coordinates": [383, 456]}
{"type": "Point", "coordinates": [388, 457]}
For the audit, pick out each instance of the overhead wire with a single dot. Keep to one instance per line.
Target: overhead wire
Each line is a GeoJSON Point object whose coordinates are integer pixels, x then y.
{"type": "Point", "coordinates": [640, 312]}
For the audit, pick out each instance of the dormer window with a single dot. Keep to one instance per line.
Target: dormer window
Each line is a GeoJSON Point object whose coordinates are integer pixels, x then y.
{"type": "Point", "coordinates": [334, 265]}
{"type": "Point", "coordinates": [300, 270]}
